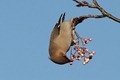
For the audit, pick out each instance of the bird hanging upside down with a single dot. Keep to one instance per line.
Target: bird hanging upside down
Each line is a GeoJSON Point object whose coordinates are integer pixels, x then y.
{"type": "Point", "coordinates": [62, 38]}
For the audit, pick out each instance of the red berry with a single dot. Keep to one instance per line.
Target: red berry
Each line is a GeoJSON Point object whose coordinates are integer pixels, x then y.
{"type": "Point", "coordinates": [90, 39]}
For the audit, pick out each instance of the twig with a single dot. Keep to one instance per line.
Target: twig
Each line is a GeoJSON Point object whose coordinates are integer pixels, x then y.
{"type": "Point", "coordinates": [80, 19]}
{"type": "Point", "coordinates": [105, 13]}
{"type": "Point", "coordinates": [96, 6]}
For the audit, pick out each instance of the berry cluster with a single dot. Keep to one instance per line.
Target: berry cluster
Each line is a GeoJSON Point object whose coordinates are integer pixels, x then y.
{"type": "Point", "coordinates": [81, 51]}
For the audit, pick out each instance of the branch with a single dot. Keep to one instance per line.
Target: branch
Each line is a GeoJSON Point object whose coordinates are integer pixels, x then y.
{"type": "Point", "coordinates": [97, 6]}
{"type": "Point", "coordinates": [80, 19]}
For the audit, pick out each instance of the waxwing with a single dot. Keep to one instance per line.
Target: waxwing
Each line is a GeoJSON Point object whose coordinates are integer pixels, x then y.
{"type": "Point", "coordinates": [61, 39]}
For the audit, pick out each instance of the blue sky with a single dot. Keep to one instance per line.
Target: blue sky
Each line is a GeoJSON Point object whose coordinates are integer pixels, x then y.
{"type": "Point", "coordinates": [25, 27]}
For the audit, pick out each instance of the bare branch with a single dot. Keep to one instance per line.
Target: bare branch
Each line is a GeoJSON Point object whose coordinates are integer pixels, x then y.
{"type": "Point", "coordinates": [84, 3]}
{"type": "Point", "coordinates": [105, 13]}
{"type": "Point", "coordinates": [96, 6]}
{"type": "Point", "coordinates": [78, 20]}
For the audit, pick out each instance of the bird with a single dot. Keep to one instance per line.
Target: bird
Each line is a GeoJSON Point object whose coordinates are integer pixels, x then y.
{"type": "Point", "coordinates": [61, 39]}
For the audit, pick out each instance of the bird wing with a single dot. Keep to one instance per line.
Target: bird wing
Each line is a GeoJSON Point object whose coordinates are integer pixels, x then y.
{"type": "Point", "coordinates": [56, 30]}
